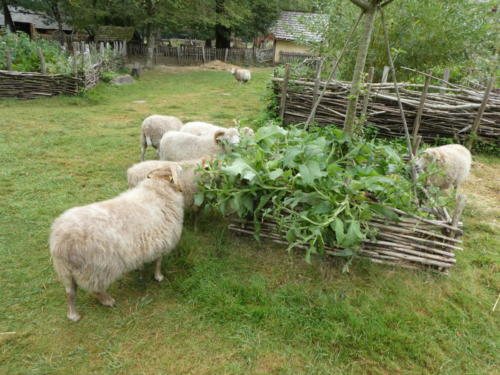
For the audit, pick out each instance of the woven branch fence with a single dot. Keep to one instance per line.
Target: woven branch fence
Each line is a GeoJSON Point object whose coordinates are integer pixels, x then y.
{"type": "Point", "coordinates": [450, 114]}
{"type": "Point", "coordinates": [410, 242]}
{"type": "Point", "coordinates": [30, 85]}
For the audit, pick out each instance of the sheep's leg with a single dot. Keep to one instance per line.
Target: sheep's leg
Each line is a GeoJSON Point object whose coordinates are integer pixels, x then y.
{"type": "Point", "coordinates": [105, 298]}
{"type": "Point", "coordinates": [158, 275]}
{"type": "Point", "coordinates": [143, 151]}
{"type": "Point", "coordinates": [71, 297]}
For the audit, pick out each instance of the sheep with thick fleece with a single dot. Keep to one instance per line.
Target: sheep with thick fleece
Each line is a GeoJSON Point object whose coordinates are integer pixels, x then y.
{"type": "Point", "coordinates": [241, 75]}
{"type": "Point", "coordinates": [140, 171]}
{"type": "Point", "coordinates": [177, 146]}
{"type": "Point", "coordinates": [204, 128]}
{"type": "Point", "coordinates": [92, 246]}
{"type": "Point", "coordinates": [153, 128]}
{"type": "Point", "coordinates": [454, 162]}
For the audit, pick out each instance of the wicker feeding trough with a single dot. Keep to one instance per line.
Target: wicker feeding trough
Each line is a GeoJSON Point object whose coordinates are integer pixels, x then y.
{"type": "Point", "coordinates": [410, 241]}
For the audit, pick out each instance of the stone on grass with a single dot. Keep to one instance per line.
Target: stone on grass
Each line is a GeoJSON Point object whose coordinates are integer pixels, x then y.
{"type": "Point", "coordinates": [125, 79]}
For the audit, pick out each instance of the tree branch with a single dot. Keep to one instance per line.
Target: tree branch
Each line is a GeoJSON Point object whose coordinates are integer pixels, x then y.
{"type": "Point", "coordinates": [386, 2]}
{"type": "Point", "coordinates": [363, 4]}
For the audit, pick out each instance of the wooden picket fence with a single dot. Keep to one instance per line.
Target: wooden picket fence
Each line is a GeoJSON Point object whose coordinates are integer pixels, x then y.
{"type": "Point", "coordinates": [194, 55]}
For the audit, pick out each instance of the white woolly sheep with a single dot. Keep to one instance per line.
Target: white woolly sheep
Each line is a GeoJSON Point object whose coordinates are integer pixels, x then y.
{"type": "Point", "coordinates": [140, 171]}
{"type": "Point", "coordinates": [454, 162]}
{"type": "Point", "coordinates": [241, 75]}
{"type": "Point", "coordinates": [92, 246]}
{"type": "Point", "coordinates": [204, 128]}
{"type": "Point", "coordinates": [177, 146]}
{"type": "Point", "coordinates": [153, 128]}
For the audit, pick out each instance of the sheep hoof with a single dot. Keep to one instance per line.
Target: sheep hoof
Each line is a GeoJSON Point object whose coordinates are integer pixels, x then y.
{"type": "Point", "coordinates": [106, 299]}
{"type": "Point", "coordinates": [74, 317]}
{"type": "Point", "coordinates": [159, 277]}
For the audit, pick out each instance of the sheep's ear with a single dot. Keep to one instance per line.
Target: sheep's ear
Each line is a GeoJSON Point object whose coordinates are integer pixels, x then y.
{"type": "Point", "coordinates": [162, 173]}
{"type": "Point", "coordinates": [170, 174]}
{"type": "Point", "coordinates": [217, 135]}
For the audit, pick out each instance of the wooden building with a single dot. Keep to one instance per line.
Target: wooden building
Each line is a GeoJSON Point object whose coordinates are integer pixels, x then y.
{"type": "Point", "coordinates": [293, 30]}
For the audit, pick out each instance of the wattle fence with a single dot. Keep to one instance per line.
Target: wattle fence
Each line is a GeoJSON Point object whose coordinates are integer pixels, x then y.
{"type": "Point", "coordinates": [432, 111]}
{"type": "Point", "coordinates": [88, 61]}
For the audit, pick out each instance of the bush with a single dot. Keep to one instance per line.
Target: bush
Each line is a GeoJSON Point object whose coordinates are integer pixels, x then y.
{"type": "Point", "coordinates": [25, 56]}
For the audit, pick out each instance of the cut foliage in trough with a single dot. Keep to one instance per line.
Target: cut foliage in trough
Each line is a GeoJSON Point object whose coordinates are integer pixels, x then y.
{"type": "Point", "coordinates": [326, 193]}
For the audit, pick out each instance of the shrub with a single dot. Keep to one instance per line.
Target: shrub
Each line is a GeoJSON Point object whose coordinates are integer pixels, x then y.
{"type": "Point", "coordinates": [25, 56]}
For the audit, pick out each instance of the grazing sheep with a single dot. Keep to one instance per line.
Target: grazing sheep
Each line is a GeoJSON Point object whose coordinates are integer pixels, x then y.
{"type": "Point", "coordinates": [92, 246]}
{"type": "Point", "coordinates": [177, 146]}
{"type": "Point", "coordinates": [204, 128]}
{"type": "Point", "coordinates": [454, 162]}
{"type": "Point", "coordinates": [153, 128]}
{"type": "Point", "coordinates": [241, 75]}
{"type": "Point", "coordinates": [140, 171]}
{"type": "Point", "coordinates": [200, 128]}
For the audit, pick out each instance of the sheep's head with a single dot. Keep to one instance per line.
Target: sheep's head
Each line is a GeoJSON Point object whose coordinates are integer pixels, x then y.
{"type": "Point", "coordinates": [170, 174]}
{"type": "Point", "coordinates": [429, 156]}
{"type": "Point", "coordinates": [230, 136]}
{"type": "Point", "coordinates": [233, 71]}
{"type": "Point", "coordinates": [247, 132]}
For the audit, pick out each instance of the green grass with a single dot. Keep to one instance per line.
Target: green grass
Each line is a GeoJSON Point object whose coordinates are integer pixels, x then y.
{"type": "Point", "coordinates": [228, 305]}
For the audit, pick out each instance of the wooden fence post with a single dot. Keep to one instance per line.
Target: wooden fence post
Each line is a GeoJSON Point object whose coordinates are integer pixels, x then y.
{"type": "Point", "coordinates": [420, 110]}
{"type": "Point", "coordinates": [124, 48]}
{"type": "Point", "coordinates": [178, 55]}
{"type": "Point", "coordinates": [317, 80]}
{"type": "Point", "coordinates": [75, 66]}
{"type": "Point", "coordinates": [446, 77]}
{"type": "Point", "coordinates": [385, 74]}
{"type": "Point", "coordinates": [366, 95]}
{"type": "Point", "coordinates": [477, 120]}
{"type": "Point", "coordinates": [8, 58]}
{"type": "Point", "coordinates": [225, 54]}
{"type": "Point", "coordinates": [43, 68]}
{"type": "Point", "coordinates": [284, 89]}
{"type": "Point", "coordinates": [203, 53]}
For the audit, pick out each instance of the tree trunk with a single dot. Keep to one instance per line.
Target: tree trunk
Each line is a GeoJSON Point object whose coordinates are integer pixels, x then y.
{"type": "Point", "coordinates": [57, 15]}
{"type": "Point", "coordinates": [222, 33]}
{"type": "Point", "coordinates": [208, 43]}
{"type": "Point", "coordinates": [8, 18]}
{"type": "Point", "coordinates": [369, 20]}
{"type": "Point", "coordinates": [151, 47]}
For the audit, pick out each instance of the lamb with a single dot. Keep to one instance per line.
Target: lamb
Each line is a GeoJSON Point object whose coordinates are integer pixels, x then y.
{"type": "Point", "coordinates": [153, 128]}
{"type": "Point", "coordinates": [140, 171]}
{"type": "Point", "coordinates": [204, 128]}
{"type": "Point", "coordinates": [92, 246]}
{"type": "Point", "coordinates": [177, 146]}
{"type": "Point", "coordinates": [454, 161]}
{"type": "Point", "coordinates": [241, 75]}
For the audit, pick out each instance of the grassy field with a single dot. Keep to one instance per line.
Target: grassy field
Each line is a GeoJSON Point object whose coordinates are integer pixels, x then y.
{"type": "Point", "coordinates": [228, 305]}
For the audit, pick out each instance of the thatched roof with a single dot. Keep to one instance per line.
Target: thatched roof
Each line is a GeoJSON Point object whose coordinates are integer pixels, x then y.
{"type": "Point", "coordinates": [113, 33]}
{"type": "Point", "coordinates": [299, 25]}
{"type": "Point", "coordinates": [39, 20]}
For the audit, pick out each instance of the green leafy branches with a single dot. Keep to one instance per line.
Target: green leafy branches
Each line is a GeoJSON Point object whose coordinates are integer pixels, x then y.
{"type": "Point", "coordinates": [320, 187]}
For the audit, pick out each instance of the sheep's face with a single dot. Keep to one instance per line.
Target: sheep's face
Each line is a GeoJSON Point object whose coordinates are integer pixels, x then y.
{"type": "Point", "coordinates": [170, 174]}
{"type": "Point", "coordinates": [247, 132]}
{"type": "Point", "coordinates": [233, 71]}
{"type": "Point", "coordinates": [230, 136]}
